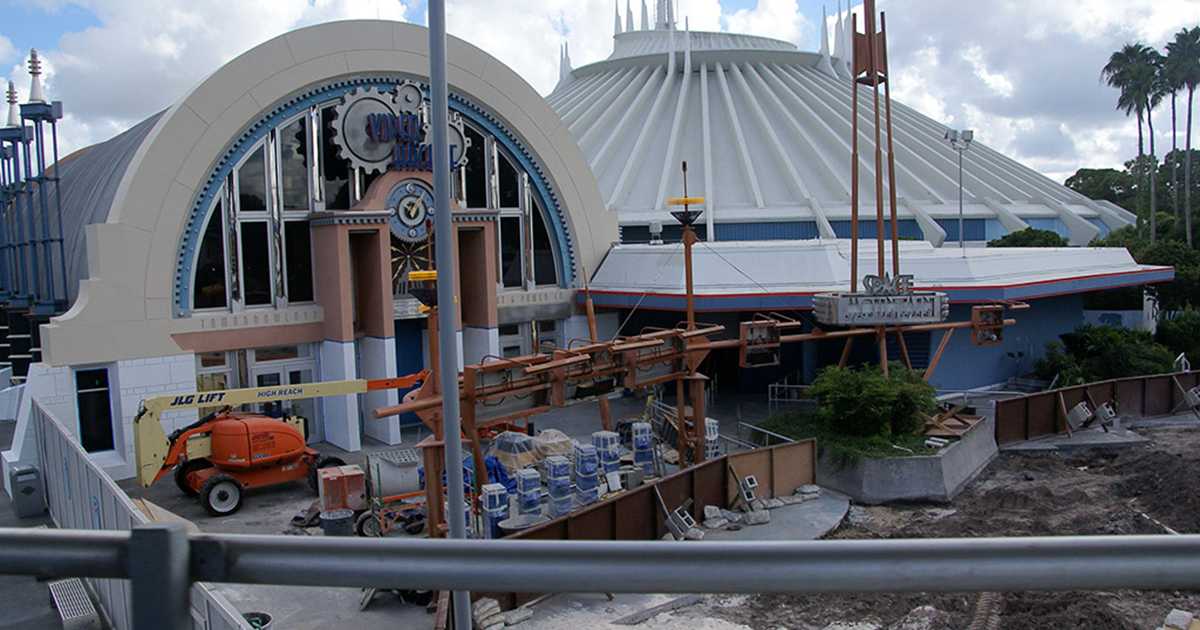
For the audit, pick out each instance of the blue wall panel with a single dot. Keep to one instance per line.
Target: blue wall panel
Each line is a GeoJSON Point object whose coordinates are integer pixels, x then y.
{"type": "Point", "coordinates": [908, 228]}
{"type": "Point", "coordinates": [410, 356]}
{"type": "Point", "coordinates": [965, 365]}
{"type": "Point", "coordinates": [976, 229]}
{"type": "Point", "coordinates": [766, 231]}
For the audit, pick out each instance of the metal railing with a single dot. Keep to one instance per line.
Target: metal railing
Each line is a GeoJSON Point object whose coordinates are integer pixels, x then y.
{"type": "Point", "coordinates": [80, 496]}
{"type": "Point", "coordinates": [161, 561]}
{"type": "Point", "coordinates": [759, 436]}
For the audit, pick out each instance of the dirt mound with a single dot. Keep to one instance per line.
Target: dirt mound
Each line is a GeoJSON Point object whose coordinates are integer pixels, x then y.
{"type": "Point", "coordinates": [1091, 493]}
{"type": "Point", "coordinates": [1164, 485]}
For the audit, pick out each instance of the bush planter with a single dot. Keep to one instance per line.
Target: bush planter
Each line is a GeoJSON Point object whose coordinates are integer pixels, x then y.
{"type": "Point", "coordinates": [936, 478]}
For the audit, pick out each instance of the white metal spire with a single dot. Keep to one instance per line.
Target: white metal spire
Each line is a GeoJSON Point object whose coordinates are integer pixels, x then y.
{"type": "Point", "coordinates": [36, 93]}
{"type": "Point", "coordinates": [564, 64]}
{"type": "Point", "coordinates": [14, 114]}
{"type": "Point", "coordinates": [849, 29]}
{"type": "Point", "coordinates": [616, 18]}
{"type": "Point", "coordinates": [645, 17]}
{"type": "Point", "coordinates": [660, 15]}
{"type": "Point", "coordinates": [671, 14]}
{"type": "Point", "coordinates": [628, 18]}
{"type": "Point", "coordinates": [839, 42]}
{"type": "Point", "coordinates": [824, 64]}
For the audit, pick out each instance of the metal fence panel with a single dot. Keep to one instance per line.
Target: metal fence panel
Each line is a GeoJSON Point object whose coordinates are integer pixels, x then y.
{"type": "Point", "coordinates": [80, 495]}
{"type": "Point", "coordinates": [1039, 414]}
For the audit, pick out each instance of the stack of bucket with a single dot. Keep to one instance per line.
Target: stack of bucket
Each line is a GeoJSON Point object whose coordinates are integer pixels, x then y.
{"type": "Point", "coordinates": [608, 449]}
{"type": "Point", "coordinates": [587, 474]}
{"type": "Point", "coordinates": [712, 434]}
{"type": "Point", "coordinates": [558, 483]}
{"type": "Point", "coordinates": [643, 448]}
{"type": "Point", "coordinates": [529, 491]}
{"type": "Point", "coordinates": [495, 508]}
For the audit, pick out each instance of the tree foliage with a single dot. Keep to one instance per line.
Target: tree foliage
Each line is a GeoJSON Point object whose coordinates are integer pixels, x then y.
{"type": "Point", "coordinates": [862, 402]}
{"type": "Point", "coordinates": [1181, 335]}
{"type": "Point", "coordinates": [1029, 237]}
{"type": "Point", "coordinates": [1099, 353]}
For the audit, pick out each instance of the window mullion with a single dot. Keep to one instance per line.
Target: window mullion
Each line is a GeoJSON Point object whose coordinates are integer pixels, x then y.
{"type": "Point", "coordinates": [233, 245]}
{"type": "Point", "coordinates": [526, 233]}
{"type": "Point", "coordinates": [275, 212]}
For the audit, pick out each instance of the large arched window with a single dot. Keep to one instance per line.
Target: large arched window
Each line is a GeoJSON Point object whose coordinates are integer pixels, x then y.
{"type": "Point", "coordinates": [250, 246]}
{"type": "Point", "coordinates": [256, 249]}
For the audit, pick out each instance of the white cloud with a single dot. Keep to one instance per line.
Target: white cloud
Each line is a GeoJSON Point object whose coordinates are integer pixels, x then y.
{"type": "Point", "coordinates": [780, 19]}
{"type": "Point", "coordinates": [1024, 74]}
{"type": "Point", "coordinates": [7, 51]}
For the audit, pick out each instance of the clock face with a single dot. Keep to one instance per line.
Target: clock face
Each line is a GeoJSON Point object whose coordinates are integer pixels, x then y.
{"type": "Point", "coordinates": [411, 205]}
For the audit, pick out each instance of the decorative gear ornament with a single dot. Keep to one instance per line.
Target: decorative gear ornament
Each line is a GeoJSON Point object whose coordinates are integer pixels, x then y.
{"type": "Point", "coordinates": [350, 131]}
{"type": "Point", "coordinates": [407, 97]}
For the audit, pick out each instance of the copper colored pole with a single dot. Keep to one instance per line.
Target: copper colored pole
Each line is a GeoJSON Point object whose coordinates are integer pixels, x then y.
{"type": "Point", "coordinates": [681, 437]}
{"type": "Point", "coordinates": [903, 349]}
{"type": "Point", "coordinates": [883, 354]}
{"type": "Point", "coordinates": [887, 97]}
{"type": "Point", "coordinates": [854, 158]}
{"type": "Point", "coordinates": [590, 309]}
{"type": "Point", "coordinates": [689, 238]}
{"type": "Point", "coordinates": [872, 54]}
{"type": "Point", "coordinates": [937, 356]}
{"type": "Point", "coordinates": [846, 352]}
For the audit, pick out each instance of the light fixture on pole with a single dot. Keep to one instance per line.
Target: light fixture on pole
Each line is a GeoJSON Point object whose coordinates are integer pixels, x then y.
{"type": "Point", "coordinates": [960, 141]}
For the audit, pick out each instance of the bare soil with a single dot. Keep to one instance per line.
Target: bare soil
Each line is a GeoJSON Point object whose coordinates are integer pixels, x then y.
{"type": "Point", "coordinates": [1147, 489]}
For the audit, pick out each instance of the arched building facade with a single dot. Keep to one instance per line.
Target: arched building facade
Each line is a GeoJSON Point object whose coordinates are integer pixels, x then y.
{"type": "Point", "coordinates": [260, 230]}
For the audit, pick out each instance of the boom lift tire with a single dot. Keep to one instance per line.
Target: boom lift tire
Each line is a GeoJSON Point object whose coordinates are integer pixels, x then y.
{"type": "Point", "coordinates": [221, 495]}
{"type": "Point", "coordinates": [325, 461]}
{"type": "Point", "coordinates": [184, 469]}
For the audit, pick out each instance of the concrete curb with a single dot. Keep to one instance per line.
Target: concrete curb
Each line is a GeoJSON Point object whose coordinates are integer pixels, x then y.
{"type": "Point", "coordinates": [937, 477]}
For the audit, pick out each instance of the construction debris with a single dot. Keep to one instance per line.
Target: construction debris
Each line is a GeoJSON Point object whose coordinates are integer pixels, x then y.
{"type": "Point", "coordinates": [771, 504]}
{"type": "Point", "coordinates": [809, 489]}
{"type": "Point", "coordinates": [649, 613]}
{"type": "Point", "coordinates": [716, 523]}
{"type": "Point", "coordinates": [517, 615]}
{"type": "Point", "coordinates": [758, 517]}
{"type": "Point", "coordinates": [711, 512]}
{"type": "Point", "coordinates": [1180, 620]}
{"type": "Point", "coordinates": [694, 533]}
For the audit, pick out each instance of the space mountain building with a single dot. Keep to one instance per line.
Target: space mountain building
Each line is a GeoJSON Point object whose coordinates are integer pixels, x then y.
{"type": "Point", "coordinates": [259, 231]}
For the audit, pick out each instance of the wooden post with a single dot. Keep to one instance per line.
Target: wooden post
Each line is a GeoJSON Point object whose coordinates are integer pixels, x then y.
{"type": "Point", "coordinates": [593, 332]}
{"type": "Point", "coordinates": [434, 364]}
{"type": "Point", "coordinates": [854, 157]}
{"type": "Point", "coordinates": [881, 334]}
{"type": "Point", "coordinates": [696, 385]}
{"type": "Point", "coordinates": [432, 452]}
{"type": "Point", "coordinates": [904, 349]}
{"type": "Point", "coordinates": [681, 435]}
{"type": "Point", "coordinates": [846, 352]}
{"type": "Point", "coordinates": [937, 356]}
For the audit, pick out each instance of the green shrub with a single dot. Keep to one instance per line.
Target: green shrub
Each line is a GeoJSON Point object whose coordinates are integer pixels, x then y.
{"type": "Point", "coordinates": [1099, 353]}
{"type": "Point", "coordinates": [863, 403]}
{"type": "Point", "coordinates": [1029, 237]}
{"type": "Point", "coordinates": [1181, 334]}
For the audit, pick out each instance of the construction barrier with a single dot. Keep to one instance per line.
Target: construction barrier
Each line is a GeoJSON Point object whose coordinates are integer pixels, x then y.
{"type": "Point", "coordinates": [1040, 414]}
{"type": "Point", "coordinates": [81, 496]}
{"type": "Point", "coordinates": [638, 515]}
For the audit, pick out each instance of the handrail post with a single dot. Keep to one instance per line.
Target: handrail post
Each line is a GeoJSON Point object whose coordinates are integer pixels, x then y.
{"type": "Point", "coordinates": [160, 576]}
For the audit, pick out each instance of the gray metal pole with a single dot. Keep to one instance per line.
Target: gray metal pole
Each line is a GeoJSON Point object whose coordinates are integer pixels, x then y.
{"type": "Point", "coordinates": [942, 565]}
{"type": "Point", "coordinates": [447, 305]}
{"type": "Point", "coordinates": [962, 236]}
{"type": "Point", "coordinates": [160, 576]}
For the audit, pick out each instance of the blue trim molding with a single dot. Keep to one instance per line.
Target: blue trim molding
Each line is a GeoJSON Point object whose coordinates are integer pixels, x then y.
{"type": "Point", "coordinates": [202, 204]}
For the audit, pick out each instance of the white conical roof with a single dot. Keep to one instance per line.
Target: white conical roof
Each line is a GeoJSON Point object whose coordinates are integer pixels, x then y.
{"type": "Point", "coordinates": [766, 135]}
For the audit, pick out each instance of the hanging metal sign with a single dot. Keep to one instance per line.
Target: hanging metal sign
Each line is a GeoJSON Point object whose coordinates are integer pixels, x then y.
{"type": "Point", "coordinates": [377, 130]}
{"type": "Point", "coordinates": [887, 301]}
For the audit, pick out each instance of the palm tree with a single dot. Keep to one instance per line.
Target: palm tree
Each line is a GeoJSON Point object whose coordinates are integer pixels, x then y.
{"type": "Point", "coordinates": [1185, 48]}
{"type": "Point", "coordinates": [1171, 81]}
{"type": "Point", "coordinates": [1132, 70]}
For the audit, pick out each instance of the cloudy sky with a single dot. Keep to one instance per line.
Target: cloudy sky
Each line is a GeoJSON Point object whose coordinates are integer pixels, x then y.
{"type": "Point", "coordinates": [1023, 73]}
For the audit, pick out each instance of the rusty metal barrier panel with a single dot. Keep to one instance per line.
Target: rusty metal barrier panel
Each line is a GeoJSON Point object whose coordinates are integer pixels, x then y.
{"type": "Point", "coordinates": [636, 514]}
{"type": "Point", "coordinates": [1036, 415]}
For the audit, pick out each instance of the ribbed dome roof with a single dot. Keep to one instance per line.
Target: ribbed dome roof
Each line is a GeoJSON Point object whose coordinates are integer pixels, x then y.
{"type": "Point", "coordinates": [765, 129]}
